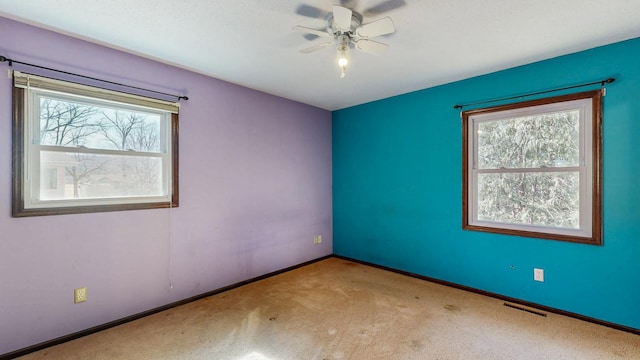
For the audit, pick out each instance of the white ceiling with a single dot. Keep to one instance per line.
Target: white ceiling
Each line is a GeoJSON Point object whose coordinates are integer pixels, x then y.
{"type": "Point", "coordinates": [251, 42]}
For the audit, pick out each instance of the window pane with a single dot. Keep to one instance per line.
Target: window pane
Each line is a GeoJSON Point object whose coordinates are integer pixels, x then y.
{"type": "Point", "coordinates": [90, 176]}
{"type": "Point", "coordinates": [76, 124]}
{"type": "Point", "coordinates": [550, 140]}
{"type": "Point", "coordinates": [543, 199]}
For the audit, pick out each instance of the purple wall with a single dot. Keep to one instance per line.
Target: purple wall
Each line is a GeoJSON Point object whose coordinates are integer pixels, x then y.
{"type": "Point", "coordinates": [255, 188]}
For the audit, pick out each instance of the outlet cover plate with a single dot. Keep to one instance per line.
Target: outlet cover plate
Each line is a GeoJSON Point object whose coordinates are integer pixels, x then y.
{"type": "Point", "coordinates": [79, 295]}
{"type": "Point", "coordinates": [538, 274]}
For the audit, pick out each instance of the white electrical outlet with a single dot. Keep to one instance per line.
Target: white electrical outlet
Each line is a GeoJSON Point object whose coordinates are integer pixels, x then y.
{"type": "Point", "coordinates": [319, 239]}
{"type": "Point", "coordinates": [538, 274]}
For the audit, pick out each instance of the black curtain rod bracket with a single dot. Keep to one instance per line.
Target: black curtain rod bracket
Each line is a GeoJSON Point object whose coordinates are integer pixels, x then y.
{"type": "Point", "coordinates": [11, 61]}
{"type": "Point", "coordinates": [4, 59]}
{"type": "Point", "coordinates": [601, 82]}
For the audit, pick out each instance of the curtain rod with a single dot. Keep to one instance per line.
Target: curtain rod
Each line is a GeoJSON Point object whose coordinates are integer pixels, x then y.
{"type": "Point", "coordinates": [601, 82]}
{"type": "Point", "coordinates": [11, 61]}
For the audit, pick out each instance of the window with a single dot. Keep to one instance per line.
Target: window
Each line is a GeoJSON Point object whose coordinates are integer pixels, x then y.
{"type": "Point", "coordinates": [533, 168]}
{"type": "Point", "coordinates": [80, 149]}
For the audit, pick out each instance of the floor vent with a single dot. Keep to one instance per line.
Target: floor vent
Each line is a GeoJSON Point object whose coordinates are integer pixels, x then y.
{"type": "Point", "coordinates": [525, 309]}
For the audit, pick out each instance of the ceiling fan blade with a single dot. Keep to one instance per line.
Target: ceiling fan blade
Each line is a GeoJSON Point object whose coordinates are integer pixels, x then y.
{"type": "Point", "coordinates": [351, 4]}
{"type": "Point", "coordinates": [310, 37]}
{"type": "Point", "coordinates": [308, 30]}
{"type": "Point", "coordinates": [377, 28]}
{"type": "Point", "coordinates": [384, 7]}
{"type": "Point", "coordinates": [316, 47]}
{"type": "Point", "coordinates": [311, 11]}
{"type": "Point", "coordinates": [371, 47]}
{"type": "Point", "coordinates": [342, 17]}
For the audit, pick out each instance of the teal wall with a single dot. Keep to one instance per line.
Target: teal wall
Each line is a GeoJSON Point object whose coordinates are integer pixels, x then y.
{"type": "Point", "coordinates": [397, 191]}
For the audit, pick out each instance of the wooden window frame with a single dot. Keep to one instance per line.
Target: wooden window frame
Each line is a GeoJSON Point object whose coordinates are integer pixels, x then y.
{"type": "Point", "coordinates": [596, 237]}
{"type": "Point", "coordinates": [18, 170]}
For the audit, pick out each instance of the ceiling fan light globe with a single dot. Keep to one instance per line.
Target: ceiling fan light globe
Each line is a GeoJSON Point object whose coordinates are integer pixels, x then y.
{"type": "Point", "coordinates": [343, 55]}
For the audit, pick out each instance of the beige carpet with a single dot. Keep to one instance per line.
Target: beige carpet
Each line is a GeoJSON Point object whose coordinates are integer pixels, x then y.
{"type": "Point", "coordinates": [335, 309]}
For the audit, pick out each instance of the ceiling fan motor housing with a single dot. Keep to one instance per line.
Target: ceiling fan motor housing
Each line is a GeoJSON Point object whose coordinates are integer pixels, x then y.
{"type": "Point", "coordinates": [332, 28]}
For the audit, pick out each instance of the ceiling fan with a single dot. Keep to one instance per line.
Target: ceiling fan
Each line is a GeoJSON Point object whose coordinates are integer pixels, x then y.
{"type": "Point", "coordinates": [345, 28]}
